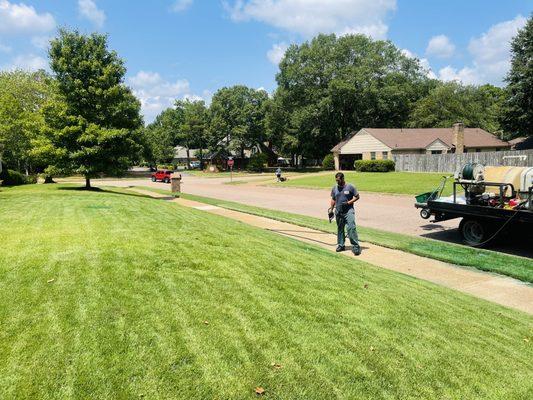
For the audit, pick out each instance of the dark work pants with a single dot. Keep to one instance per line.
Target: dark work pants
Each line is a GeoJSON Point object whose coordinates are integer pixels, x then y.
{"type": "Point", "coordinates": [347, 220]}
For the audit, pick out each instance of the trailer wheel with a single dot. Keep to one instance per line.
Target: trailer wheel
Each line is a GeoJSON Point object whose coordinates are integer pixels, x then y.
{"type": "Point", "coordinates": [425, 214]}
{"type": "Point", "coordinates": [474, 231]}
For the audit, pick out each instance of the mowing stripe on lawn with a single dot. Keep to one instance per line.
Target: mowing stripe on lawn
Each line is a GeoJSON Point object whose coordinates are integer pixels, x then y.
{"type": "Point", "coordinates": [505, 291]}
{"type": "Point", "coordinates": [106, 295]}
{"type": "Point", "coordinates": [520, 268]}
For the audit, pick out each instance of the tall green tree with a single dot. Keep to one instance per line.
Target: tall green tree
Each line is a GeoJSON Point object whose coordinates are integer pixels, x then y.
{"type": "Point", "coordinates": [238, 114]}
{"type": "Point", "coordinates": [448, 103]}
{"type": "Point", "coordinates": [194, 131]}
{"type": "Point", "coordinates": [332, 85]}
{"type": "Point", "coordinates": [22, 95]}
{"type": "Point", "coordinates": [518, 117]}
{"type": "Point", "coordinates": [162, 135]}
{"type": "Point", "coordinates": [98, 130]}
{"type": "Point", "coordinates": [278, 129]}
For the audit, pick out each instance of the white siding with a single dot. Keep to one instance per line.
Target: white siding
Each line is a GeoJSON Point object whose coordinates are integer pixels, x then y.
{"type": "Point", "coordinates": [409, 151]}
{"type": "Point", "coordinates": [363, 142]}
{"type": "Point", "coordinates": [437, 145]}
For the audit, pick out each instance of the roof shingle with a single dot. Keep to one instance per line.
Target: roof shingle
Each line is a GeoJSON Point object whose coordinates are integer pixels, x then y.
{"type": "Point", "coordinates": [420, 138]}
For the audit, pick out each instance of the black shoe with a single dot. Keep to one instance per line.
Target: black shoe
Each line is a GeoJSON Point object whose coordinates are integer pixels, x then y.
{"type": "Point", "coordinates": [356, 251]}
{"type": "Point", "coordinates": [340, 248]}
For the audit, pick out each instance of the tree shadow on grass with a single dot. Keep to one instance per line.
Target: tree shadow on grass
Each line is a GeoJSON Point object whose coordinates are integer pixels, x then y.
{"type": "Point", "coordinates": [82, 188]}
{"type": "Point", "coordinates": [104, 191]}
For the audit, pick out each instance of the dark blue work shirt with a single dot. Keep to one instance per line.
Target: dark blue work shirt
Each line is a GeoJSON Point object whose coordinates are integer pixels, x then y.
{"type": "Point", "coordinates": [341, 195]}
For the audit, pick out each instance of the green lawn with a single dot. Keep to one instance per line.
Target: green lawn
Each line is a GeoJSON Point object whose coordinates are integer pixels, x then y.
{"type": "Point", "coordinates": [380, 182]}
{"type": "Point", "coordinates": [113, 296]}
{"type": "Point", "coordinates": [517, 267]}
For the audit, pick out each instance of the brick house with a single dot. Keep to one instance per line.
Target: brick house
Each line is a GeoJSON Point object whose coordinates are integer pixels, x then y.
{"type": "Point", "coordinates": [383, 143]}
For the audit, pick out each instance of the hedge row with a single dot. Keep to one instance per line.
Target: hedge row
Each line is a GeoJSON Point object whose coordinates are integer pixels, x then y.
{"type": "Point", "coordinates": [374, 165]}
{"type": "Point", "coordinates": [14, 178]}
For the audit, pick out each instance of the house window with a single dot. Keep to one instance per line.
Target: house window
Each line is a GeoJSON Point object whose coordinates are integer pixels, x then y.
{"type": "Point", "coordinates": [498, 149]}
{"type": "Point", "coordinates": [385, 155]}
{"type": "Point", "coordinates": [372, 155]}
{"type": "Point", "coordinates": [436, 151]}
{"type": "Point", "coordinates": [478, 150]}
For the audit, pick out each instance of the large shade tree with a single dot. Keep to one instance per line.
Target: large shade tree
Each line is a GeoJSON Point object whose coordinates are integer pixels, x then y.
{"type": "Point", "coordinates": [237, 117]}
{"type": "Point", "coordinates": [22, 96]}
{"type": "Point", "coordinates": [448, 103]}
{"type": "Point", "coordinates": [518, 117]}
{"type": "Point", "coordinates": [97, 127]}
{"type": "Point", "coordinates": [161, 136]}
{"type": "Point", "coordinates": [194, 130]}
{"type": "Point", "coordinates": [332, 85]}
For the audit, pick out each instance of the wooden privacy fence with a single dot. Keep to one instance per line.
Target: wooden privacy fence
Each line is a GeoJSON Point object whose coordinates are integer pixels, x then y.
{"type": "Point", "coordinates": [450, 162]}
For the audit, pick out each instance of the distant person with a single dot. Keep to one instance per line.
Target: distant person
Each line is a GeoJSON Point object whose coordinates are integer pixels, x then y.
{"type": "Point", "coordinates": [343, 197]}
{"type": "Point", "coordinates": [278, 174]}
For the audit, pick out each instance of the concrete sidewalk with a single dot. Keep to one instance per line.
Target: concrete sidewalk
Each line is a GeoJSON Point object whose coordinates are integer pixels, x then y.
{"type": "Point", "coordinates": [498, 289]}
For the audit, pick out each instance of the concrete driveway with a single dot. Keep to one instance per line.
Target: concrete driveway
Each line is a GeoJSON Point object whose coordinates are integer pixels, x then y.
{"type": "Point", "coordinates": [393, 213]}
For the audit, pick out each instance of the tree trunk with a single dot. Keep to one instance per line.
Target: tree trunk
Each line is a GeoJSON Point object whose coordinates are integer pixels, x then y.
{"type": "Point", "coordinates": [188, 159]}
{"type": "Point", "coordinates": [87, 183]}
{"type": "Point", "coordinates": [201, 159]}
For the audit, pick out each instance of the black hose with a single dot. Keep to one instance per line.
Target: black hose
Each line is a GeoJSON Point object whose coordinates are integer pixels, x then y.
{"type": "Point", "coordinates": [501, 228]}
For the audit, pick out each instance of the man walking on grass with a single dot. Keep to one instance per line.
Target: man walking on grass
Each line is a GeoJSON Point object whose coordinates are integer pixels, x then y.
{"type": "Point", "coordinates": [343, 197]}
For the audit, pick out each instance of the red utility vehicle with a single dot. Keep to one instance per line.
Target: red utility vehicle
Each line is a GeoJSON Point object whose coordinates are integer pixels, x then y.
{"type": "Point", "coordinates": [161, 175]}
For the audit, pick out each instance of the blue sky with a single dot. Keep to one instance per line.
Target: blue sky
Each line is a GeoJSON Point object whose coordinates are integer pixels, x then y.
{"type": "Point", "coordinates": [190, 48]}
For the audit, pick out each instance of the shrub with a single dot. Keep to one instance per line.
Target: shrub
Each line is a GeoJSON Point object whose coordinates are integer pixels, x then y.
{"type": "Point", "coordinates": [12, 178]}
{"type": "Point", "coordinates": [257, 162]}
{"type": "Point", "coordinates": [32, 179]}
{"type": "Point", "coordinates": [167, 167]}
{"type": "Point", "coordinates": [374, 165]}
{"type": "Point", "coordinates": [328, 162]}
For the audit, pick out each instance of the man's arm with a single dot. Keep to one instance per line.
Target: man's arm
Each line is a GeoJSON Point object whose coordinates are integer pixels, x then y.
{"type": "Point", "coordinates": [355, 197]}
{"type": "Point", "coordinates": [353, 200]}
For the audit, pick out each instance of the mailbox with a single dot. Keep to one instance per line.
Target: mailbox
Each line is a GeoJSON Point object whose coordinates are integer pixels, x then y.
{"type": "Point", "coordinates": [175, 184]}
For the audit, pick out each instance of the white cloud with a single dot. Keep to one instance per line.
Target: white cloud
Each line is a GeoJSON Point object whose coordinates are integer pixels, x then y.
{"type": "Point", "coordinates": [90, 10]}
{"type": "Point", "coordinates": [41, 42]}
{"type": "Point", "coordinates": [466, 75]}
{"type": "Point", "coordinates": [27, 62]}
{"type": "Point", "coordinates": [440, 46]}
{"type": "Point", "coordinates": [192, 97]}
{"type": "Point", "coordinates": [181, 5]}
{"type": "Point", "coordinates": [20, 18]}
{"type": "Point", "coordinates": [276, 53]}
{"type": "Point", "coordinates": [157, 94]}
{"type": "Point", "coordinates": [377, 31]}
{"type": "Point", "coordinates": [309, 17]}
{"type": "Point", "coordinates": [490, 55]}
